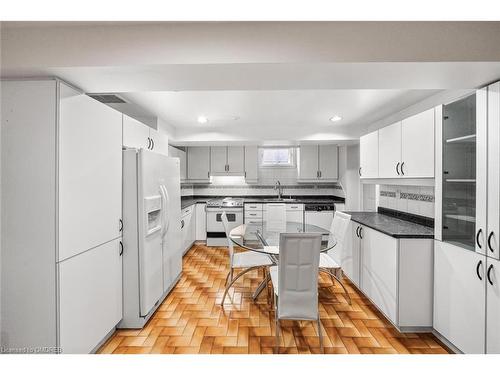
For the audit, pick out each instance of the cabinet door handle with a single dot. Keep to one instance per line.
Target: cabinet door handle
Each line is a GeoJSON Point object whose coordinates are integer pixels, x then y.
{"type": "Point", "coordinates": [121, 248]}
{"type": "Point", "coordinates": [489, 242]}
{"type": "Point", "coordinates": [182, 224]}
{"type": "Point", "coordinates": [320, 174]}
{"type": "Point", "coordinates": [149, 143]}
{"type": "Point", "coordinates": [361, 232]}
{"type": "Point", "coordinates": [477, 238]}
{"type": "Point", "coordinates": [397, 168]}
{"type": "Point", "coordinates": [477, 270]}
{"type": "Point", "coordinates": [121, 225]}
{"type": "Point", "coordinates": [488, 274]}
{"type": "Point", "coordinates": [402, 171]}
{"type": "Point", "coordinates": [359, 171]}
{"type": "Point", "coordinates": [152, 144]}
{"type": "Point", "coordinates": [357, 232]}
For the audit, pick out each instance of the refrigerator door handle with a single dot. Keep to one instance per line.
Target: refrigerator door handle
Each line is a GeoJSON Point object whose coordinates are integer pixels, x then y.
{"type": "Point", "coordinates": [166, 204]}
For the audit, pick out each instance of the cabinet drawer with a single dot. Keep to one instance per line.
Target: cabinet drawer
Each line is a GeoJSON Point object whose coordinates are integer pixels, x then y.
{"type": "Point", "coordinates": [253, 214]}
{"type": "Point", "coordinates": [295, 207]}
{"type": "Point", "coordinates": [253, 207]}
{"type": "Point", "coordinates": [253, 221]}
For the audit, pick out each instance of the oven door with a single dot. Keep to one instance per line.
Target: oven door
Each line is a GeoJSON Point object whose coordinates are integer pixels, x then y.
{"type": "Point", "coordinates": [214, 219]}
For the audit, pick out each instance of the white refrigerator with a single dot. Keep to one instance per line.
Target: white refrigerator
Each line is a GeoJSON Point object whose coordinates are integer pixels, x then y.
{"type": "Point", "coordinates": [152, 253]}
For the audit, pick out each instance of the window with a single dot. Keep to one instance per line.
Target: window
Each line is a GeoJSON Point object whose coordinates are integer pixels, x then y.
{"type": "Point", "coordinates": [277, 157]}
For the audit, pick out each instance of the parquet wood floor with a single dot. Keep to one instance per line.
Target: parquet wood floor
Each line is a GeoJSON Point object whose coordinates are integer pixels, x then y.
{"type": "Point", "coordinates": [191, 320]}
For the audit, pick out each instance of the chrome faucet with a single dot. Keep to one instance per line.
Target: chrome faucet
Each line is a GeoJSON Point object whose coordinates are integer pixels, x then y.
{"type": "Point", "coordinates": [277, 186]}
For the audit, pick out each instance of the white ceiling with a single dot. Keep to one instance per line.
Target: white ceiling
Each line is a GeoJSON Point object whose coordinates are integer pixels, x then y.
{"type": "Point", "coordinates": [256, 115]}
{"type": "Point", "coordinates": [282, 79]}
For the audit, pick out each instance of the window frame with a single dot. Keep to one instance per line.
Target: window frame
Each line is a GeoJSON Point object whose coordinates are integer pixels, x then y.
{"type": "Point", "coordinates": [292, 152]}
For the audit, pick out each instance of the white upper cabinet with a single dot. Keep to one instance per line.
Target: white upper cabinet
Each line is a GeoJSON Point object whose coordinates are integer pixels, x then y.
{"type": "Point", "coordinates": [308, 163]}
{"type": "Point", "coordinates": [227, 160]}
{"type": "Point", "coordinates": [218, 160]}
{"type": "Point", "coordinates": [251, 164]}
{"type": "Point", "coordinates": [328, 162]}
{"type": "Point", "coordinates": [236, 160]}
{"type": "Point", "coordinates": [318, 163]}
{"type": "Point", "coordinates": [389, 149]}
{"type": "Point", "coordinates": [417, 145]}
{"type": "Point", "coordinates": [135, 133]}
{"type": "Point", "coordinates": [139, 135]}
{"type": "Point", "coordinates": [198, 164]}
{"type": "Point", "coordinates": [368, 158]}
{"type": "Point", "coordinates": [90, 167]}
{"type": "Point", "coordinates": [159, 141]}
{"type": "Point", "coordinates": [401, 150]}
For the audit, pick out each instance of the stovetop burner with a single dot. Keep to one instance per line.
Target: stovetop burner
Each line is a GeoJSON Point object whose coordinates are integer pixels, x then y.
{"type": "Point", "coordinates": [225, 202]}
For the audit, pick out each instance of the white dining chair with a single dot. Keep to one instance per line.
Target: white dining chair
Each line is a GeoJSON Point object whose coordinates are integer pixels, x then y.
{"type": "Point", "coordinates": [327, 263]}
{"type": "Point", "coordinates": [246, 260]}
{"type": "Point", "coordinates": [275, 217]}
{"type": "Point", "coordinates": [295, 279]}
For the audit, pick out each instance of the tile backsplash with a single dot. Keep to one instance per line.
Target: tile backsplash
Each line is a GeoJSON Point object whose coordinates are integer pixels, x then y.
{"type": "Point", "coordinates": [417, 200]}
{"type": "Point", "coordinates": [245, 189]}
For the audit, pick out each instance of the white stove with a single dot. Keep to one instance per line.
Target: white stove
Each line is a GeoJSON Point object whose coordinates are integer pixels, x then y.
{"type": "Point", "coordinates": [233, 207]}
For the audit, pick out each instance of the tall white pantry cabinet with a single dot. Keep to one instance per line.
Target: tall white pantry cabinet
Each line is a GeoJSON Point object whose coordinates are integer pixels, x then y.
{"type": "Point", "coordinates": [466, 256]}
{"type": "Point", "coordinates": [61, 217]}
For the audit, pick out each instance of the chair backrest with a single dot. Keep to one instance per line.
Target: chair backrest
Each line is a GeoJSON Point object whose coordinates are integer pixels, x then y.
{"type": "Point", "coordinates": [276, 217]}
{"type": "Point", "coordinates": [225, 223]}
{"type": "Point", "coordinates": [298, 276]}
{"type": "Point", "coordinates": [338, 231]}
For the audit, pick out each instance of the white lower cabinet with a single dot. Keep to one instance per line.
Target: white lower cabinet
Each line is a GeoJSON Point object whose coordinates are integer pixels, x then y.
{"type": "Point", "coordinates": [493, 307]}
{"type": "Point", "coordinates": [201, 222]}
{"type": "Point", "coordinates": [459, 297]}
{"type": "Point", "coordinates": [348, 255]}
{"type": "Point", "coordinates": [295, 213]}
{"type": "Point", "coordinates": [394, 273]}
{"type": "Point", "coordinates": [253, 216]}
{"type": "Point", "coordinates": [379, 270]}
{"type": "Point", "coordinates": [90, 297]}
{"type": "Point", "coordinates": [188, 228]}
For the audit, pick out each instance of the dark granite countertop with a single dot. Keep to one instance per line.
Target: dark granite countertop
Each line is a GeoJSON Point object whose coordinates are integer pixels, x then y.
{"type": "Point", "coordinates": [297, 199]}
{"type": "Point", "coordinates": [190, 200]}
{"type": "Point", "coordinates": [391, 226]}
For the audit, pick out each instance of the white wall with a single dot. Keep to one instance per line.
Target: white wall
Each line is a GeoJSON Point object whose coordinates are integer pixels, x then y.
{"type": "Point", "coordinates": [369, 194]}
{"type": "Point", "coordinates": [349, 177]}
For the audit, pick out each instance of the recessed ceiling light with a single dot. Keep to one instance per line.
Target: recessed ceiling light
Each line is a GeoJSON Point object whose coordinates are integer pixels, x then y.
{"type": "Point", "coordinates": [202, 119]}
{"type": "Point", "coordinates": [335, 118]}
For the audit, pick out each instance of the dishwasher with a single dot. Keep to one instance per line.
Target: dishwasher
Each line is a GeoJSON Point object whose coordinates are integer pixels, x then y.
{"type": "Point", "coordinates": [320, 215]}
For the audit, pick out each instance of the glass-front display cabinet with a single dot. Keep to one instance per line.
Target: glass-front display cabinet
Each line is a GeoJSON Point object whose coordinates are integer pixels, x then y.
{"type": "Point", "coordinates": [459, 173]}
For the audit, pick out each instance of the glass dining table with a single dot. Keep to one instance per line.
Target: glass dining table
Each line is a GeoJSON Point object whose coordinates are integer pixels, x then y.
{"type": "Point", "coordinates": [264, 238]}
